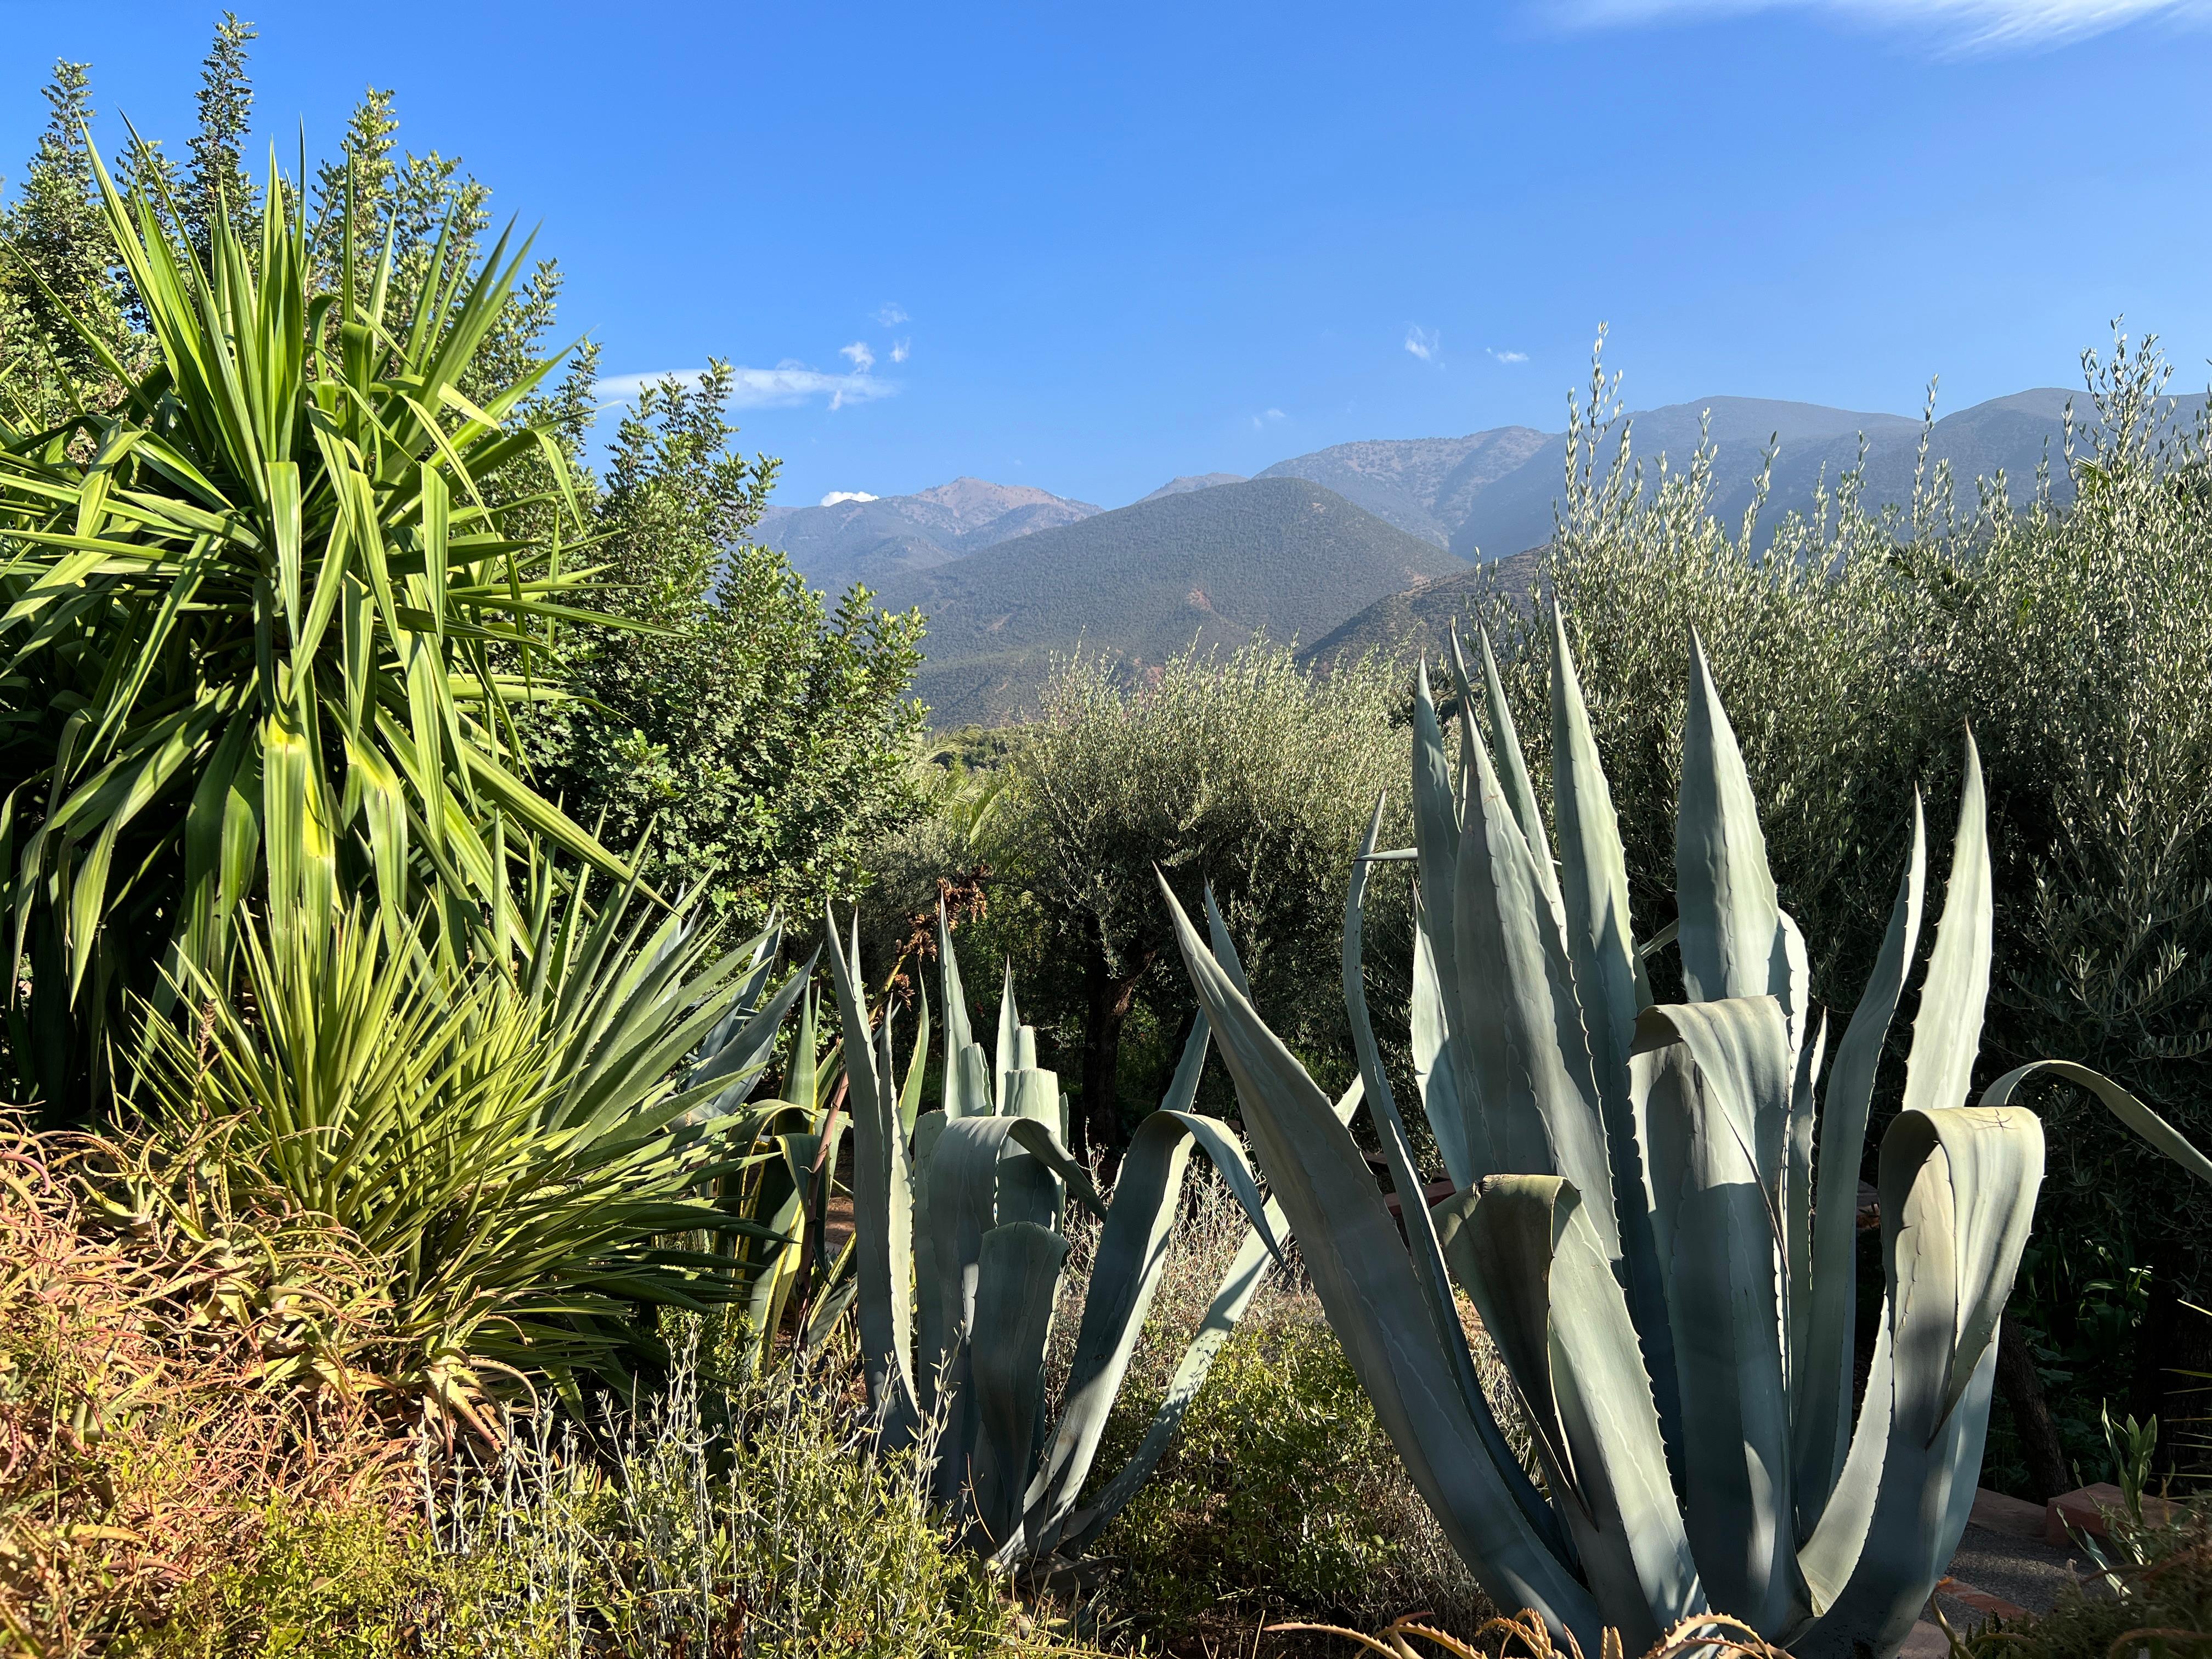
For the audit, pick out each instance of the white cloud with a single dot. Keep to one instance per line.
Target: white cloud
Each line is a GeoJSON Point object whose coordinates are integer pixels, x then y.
{"type": "Point", "coordinates": [1962, 25]}
{"type": "Point", "coordinates": [1261, 423]}
{"type": "Point", "coordinates": [862, 359]}
{"type": "Point", "coordinates": [837, 495]}
{"type": "Point", "coordinates": [901, 350]}
{"type": "Point", "coordinates": [1507, 356]}
{"type": "Point", "coordinates": [790, 382]}
{"type": "Point", "coordinates": [1422, 343]}
{"type": "Point", "coordinates": [890, 314]}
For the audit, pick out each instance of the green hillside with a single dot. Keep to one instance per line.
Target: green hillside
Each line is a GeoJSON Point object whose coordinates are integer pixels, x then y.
{"type": "Point", "coordinates": [1419, 620]}
{"type": "Point", "coordinates": [1279, 556]}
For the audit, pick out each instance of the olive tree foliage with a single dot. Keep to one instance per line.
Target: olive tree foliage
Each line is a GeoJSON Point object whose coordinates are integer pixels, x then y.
{"type": "Point", "coordinates": [1242, 770]}
{"type": "Point", "coordinates": [2076, 638]}
{"type": "Point", "coordinates": [760, 732]}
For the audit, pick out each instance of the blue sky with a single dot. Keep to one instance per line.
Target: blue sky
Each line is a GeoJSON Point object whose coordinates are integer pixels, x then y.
{"type": "Point", "coordinates": [1090, 248]}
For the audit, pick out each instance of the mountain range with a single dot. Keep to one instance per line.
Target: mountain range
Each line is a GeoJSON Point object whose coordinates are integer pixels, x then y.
{"type": "Point", "coordinates": [1282, 557]}
{"type": "Point", "coordinates": [1360, 544]}
{"type": "Point", "coordinates": [874, 538]}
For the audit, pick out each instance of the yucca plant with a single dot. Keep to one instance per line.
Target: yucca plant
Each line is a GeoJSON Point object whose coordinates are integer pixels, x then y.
{"type": "Point", "coordinates": [1640, 1220]}
{"type": "Point", "coordinates": [514, 1129]}
{"type": "Point", "coordinates": [961, 1249]}
{"type": "Point", "coordinates": [265, 620]}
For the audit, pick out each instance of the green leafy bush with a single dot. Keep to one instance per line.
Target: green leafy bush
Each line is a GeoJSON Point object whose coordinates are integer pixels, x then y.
{"type": "Point", "coordinates": [763, 731]}
{"type": "Point", "coordinates": [350, 1582]}
{"type": "Point", "coordinates": [734, 1512]}
{"type": "Point", "coordinates": [1238, 768]}
{"type": "Point", "coordinates": [1281, 1497]}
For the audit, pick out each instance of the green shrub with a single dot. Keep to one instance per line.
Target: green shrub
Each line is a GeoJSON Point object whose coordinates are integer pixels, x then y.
{"type": "Point", "coordinates": [738, 1513]}
{"type": "Point", "coordinates": [1281, 1495]}
{"type": "Point", "coordinates": [353, 1582]}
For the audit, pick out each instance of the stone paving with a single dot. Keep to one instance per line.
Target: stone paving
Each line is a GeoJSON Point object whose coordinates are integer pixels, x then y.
{"type": "Point", "coordinates": [2007, 1564]}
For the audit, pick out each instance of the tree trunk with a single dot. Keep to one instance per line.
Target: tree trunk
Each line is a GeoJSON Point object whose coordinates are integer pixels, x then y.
{"type": "Point", "coordinates": [2047, 1474]}
{"type": "Point", "coordinates": [1109, 997]}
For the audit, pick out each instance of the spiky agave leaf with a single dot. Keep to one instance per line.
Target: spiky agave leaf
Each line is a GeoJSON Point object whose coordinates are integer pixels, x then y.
{"type": "Point", "coordinates": [1651, 1296]}
{"type": "Point", "coordinates": [957, 1223]}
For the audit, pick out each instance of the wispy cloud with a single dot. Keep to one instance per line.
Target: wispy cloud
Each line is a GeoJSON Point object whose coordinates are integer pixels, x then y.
{"type": "Point", "coordinates": [1422, 343]}
{"type": "Point", "coordinates": [858, 356]}
{"type": "Point", "coordinates": [1268, 418]}
{"type": "Point", "coordinates": [901, 350]}
{"type": "Point", "coordinates": [1961, 25]}
{"type": "Point", "coordinates": [1506, 357]}
{"type": "Point", "coordinates": [890, 314]}
{"type": "Point", "coordinates": [787, 384]}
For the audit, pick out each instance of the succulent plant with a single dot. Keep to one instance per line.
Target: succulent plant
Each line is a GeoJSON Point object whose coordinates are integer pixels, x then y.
{"type": "Point", "coordinates": [1639, 1217]}
{"type": "Point", "coordinates": [957, 1226]}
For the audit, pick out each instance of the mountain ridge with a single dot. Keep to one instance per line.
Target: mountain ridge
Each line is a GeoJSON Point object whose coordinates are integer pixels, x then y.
{"type": "Point", "coordinates": [1011, 576]}
{"type": "Point", "coordinates": [1279, 557]}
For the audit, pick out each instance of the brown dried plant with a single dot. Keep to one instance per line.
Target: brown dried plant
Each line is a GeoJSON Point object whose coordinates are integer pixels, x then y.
{"type": "Point", "coordinates": [165, 1385]}
{"type": "Point", "coordinates": [1526, 1637]}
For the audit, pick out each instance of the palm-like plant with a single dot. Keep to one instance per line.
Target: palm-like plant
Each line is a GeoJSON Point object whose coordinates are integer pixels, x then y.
{"type": "Point", "coordinates": [264, 621]}
{"type": "Point", "coordinates": [515, 1126]}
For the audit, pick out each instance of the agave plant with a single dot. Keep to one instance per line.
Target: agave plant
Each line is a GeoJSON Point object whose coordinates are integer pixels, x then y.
{"type": "Point", "coordinates": [1639, 1217]}
{"type": "Point", "coordinates": [782, 1185]}
{"type": "Point", "coordinates": [514, 1130]}
{"type": "Point", "coordinates": [958, 1231]}
{"type": "Point", "coordinates": [265, 619]}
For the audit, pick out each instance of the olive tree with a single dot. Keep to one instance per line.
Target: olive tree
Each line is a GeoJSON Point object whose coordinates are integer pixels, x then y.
{"type": "Point", "coordinates": [1245, 770]}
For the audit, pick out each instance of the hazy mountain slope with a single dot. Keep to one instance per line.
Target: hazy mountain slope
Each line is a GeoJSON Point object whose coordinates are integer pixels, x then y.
{"type": "Point", "coordinates": [1515, 512]}
{"type": "Point", "coordinates": [876, 541]}
{"type": "Point", "coordinates": [1417, 621]}
{"type": "Point", "coordinates": [1191, 481]}
{"type": "Point", "coordinates": [2008, 435]}
{"type": "Point", "coordinates": [1423, 485]}
{"type": "Point", "coordinates": [1281, 556]}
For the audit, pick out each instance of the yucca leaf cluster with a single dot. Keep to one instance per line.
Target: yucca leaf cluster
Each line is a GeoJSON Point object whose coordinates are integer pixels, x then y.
{"type": "Point", "coordinates": [266, 619]}
{"type": "Point", "coordinates": [524, 1133]}
{"type": "Point", "coordinates": [1641, 1218]}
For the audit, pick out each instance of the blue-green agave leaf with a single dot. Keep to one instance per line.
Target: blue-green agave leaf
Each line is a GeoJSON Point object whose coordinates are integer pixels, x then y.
{"type": "Point", "coordinates": [1360, 1269]}
{"type": "Point", "coordinates": [1822, 1404]}
{"type": "Point", "coordinates": [1947, 1027]}
{"type": "Point", "coordinates": [1525, 1252]}
{"type": "Point", "coordinates": [1016, 1277]}
{"type": "Point", "coordinates": [1719, 1241]}
{"type": "Point", "coordinates": [1723, 891]}
{"type": "Point", "coordinates": [1514, 1012]}
{"type": "Point", "coordinates": [2122, 1105]}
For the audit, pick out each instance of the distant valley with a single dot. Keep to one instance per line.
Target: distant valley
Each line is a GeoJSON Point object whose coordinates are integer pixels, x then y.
{"type": "Point", "coordinates": [1359, 545]}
